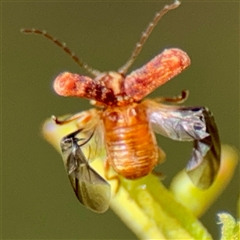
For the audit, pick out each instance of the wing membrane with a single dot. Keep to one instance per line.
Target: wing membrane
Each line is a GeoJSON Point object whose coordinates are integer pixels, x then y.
{"type": "Point", "coordinates": [205, 161]}
{"type": "Point", "coordinates": [91, 189]}
{"type": "Point", "coordinates": [195, 124]}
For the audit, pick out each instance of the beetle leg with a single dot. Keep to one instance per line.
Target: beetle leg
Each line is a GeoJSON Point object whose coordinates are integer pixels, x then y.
{"type": "Point", "coordinates": [158, 174]}
{"type": "Point", "coordinates": [182, 97]}
{"type": "Point", "coordinates": [161, 159]}
{"type": "Point", "coordinates": [161, 156]}
{"type": "Point", "coordinates": [70, 119]}
{"type": "Point", "coordinates": [114, 177]}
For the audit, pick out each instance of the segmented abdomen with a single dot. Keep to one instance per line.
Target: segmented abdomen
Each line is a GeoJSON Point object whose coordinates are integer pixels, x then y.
{"type": "Point", "coordinates": [131, 145]}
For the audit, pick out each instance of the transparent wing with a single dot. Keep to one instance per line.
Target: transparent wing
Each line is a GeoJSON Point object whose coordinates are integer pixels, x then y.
{"type": "Point", "coordinates": [91, 189]}
{"type": "Point", "coordinates": [90, 121]}
{"type": "Point", "coordinates": [195, 124]}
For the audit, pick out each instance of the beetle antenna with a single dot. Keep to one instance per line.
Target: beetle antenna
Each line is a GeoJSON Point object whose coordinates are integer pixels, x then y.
{"type": "Point", "coordinates": [145, 35]}
{"type": "Point", "coordinates": [65, 48]}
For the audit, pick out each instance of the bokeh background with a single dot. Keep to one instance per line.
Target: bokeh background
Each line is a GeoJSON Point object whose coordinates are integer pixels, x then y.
{"type": "Point", "coordinates": [38, 202]}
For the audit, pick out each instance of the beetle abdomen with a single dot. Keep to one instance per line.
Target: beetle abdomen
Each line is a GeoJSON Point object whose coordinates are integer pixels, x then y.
{"type": "Point", "coordinates": [131, 145]}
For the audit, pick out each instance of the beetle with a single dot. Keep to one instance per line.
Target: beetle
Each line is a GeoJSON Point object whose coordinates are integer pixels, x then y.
{"type": "Point", "coordinates": [124, 124]}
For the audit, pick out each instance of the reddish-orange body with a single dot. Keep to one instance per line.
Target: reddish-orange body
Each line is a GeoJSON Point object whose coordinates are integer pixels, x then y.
{"type": "Point", "coordinates": [125, 121]}
{"type": "Point", "coordinates": [131, 145]}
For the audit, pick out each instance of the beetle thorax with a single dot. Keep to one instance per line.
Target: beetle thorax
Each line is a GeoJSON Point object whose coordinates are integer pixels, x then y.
{"type": "Point", "coordinates": [111, 80]}
{"type": "Point", "coordinates": [112, 88]}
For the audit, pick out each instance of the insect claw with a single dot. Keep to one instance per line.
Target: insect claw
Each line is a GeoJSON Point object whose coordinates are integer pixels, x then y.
{"type": "Point", "coordinates": [182, 97]}
{"type": "Point", "coordinates": [116, 178]}
{"type": "Point", "coordinates": [55, 119]}
{"type": "Point", "coordinates": [185, 95]}
{"type": "Point", "coordinates": [110, 178]}
{"type": "Point", "coordinates": [118, 182]}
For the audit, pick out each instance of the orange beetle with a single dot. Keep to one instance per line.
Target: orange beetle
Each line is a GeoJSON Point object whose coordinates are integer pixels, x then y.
{"type": "Point", "coordinates": [125, 124]}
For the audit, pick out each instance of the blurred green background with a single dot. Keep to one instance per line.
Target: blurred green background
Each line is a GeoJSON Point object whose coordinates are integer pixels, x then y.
{"type": "Point", "coordinates": [38, 202]}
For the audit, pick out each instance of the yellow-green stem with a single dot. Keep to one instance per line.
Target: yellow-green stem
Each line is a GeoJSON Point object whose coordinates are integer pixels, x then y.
{"type": "Point", "coordinates": [149, 209]}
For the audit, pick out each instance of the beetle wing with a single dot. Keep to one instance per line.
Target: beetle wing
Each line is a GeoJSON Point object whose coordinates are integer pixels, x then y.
{"type": "Point", "coordinates": [205, 161]}
{"type": "Point", "coordinates": [190, 124]}
{"type": "Point", "coordinates": [91, 189]}
{"type": "Point", "coordinates": [155, 73]}
{"type": "Point", "coordinates": [90, 121]}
